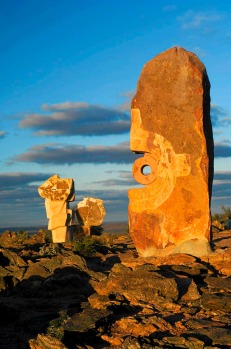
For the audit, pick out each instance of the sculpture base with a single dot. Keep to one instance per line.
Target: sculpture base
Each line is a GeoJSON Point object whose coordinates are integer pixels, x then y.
{"type": "Point", "coordinates": [62, 234]}
{"type": "Point", "coordinates": [194, 247]}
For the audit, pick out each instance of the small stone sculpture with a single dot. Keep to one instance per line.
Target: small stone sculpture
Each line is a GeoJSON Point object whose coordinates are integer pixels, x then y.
{"type": "Point", "coordinates": [171, 126]}
{"type": "Point", "coordinates": [90, 212]}
{"type": "Point", "coordinates": [58, 192]}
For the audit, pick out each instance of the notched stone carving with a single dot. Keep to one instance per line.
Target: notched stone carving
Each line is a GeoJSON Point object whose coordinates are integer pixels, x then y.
{"type": "Point", "coordinates": [171, 127]}
{"type": "Point", "coordinates": [58, 192]}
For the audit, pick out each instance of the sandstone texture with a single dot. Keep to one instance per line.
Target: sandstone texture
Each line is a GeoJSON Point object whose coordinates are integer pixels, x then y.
{"type": "Point", "coordinates": [90, 212]}
{"type": "Point", "coordinates": [51, 297]}
{"type": "Point", "coordinates": [171, 126]}
{"type": "Point", "coordinates": [57, 193]}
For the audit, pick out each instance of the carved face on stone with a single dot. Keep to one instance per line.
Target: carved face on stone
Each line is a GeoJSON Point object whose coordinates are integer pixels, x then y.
{"type": "Point", "coordinates": [165, 165]}
{"type": "Point", "coordinates": [171, 127]}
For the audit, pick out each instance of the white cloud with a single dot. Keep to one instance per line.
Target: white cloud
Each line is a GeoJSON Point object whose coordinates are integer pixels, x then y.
{"type": "Point", "coordinates": [195, 20]}
{"type": "Point", "coordinates": [65, 106]}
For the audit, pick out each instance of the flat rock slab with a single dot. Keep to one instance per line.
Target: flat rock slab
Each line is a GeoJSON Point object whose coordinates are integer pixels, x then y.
{"type": "Point", "coordinates": [89, 319]}
{"type": "Point", "coordinates": [216, 302]}
{"type": "Point", "coordinates": [221, 284]}
{"type": "Point", "coordinates": [143, 284]}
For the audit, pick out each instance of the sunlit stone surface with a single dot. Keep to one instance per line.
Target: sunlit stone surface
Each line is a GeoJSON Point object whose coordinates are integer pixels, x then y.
{"type": "Point", "coordinates": [57, 193]}
{"type": "Point", "coordinates": [171, 126]}
{"type": "Point", "coordinates": [90, 212]}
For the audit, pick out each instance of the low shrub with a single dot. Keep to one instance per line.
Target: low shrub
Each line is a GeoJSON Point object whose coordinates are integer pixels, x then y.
{"type": "Point", "coordinates": [85, 246]}
{"type": "Point", "coordinates": [22, 235]}
{"type": "Point", "coordinates": [55, 328]}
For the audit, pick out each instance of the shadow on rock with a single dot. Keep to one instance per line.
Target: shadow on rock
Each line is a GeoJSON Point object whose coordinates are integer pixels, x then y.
{"type": "Point", "coordinates": [28, 306]}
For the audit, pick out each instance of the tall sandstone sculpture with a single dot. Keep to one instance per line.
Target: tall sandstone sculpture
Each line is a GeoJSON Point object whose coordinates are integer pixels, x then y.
{"type": "Point", "coordinates": [171, 126]}
{"type": "Point", "coordinates": [58, 192]}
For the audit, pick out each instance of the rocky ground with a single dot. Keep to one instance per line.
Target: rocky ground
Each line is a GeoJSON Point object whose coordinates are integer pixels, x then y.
{"type": "Point", "coordinates": [54, 298]}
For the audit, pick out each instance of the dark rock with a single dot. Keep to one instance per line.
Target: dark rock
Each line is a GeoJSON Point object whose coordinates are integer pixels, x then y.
{"type": "Point", "coordinates": [8, 314]}
{"type": "Point", "coordinates": [141, 285]}
{"type": "Point", "coordinates": [223, 319]}
{"type": "Point", "coordinates": [188, 290]}
{"type": "Point", "coordinates": [216, 302]}
{"type": "Point", "coordinates": [3, 283]}
{"type": "Point", "coordinates": [50, 264]}
{"type": "Point", "coordinates": [140, 305]}
{"type": "Point", "coordinates": [69, 281]}
{"type": "Point", "coordinates": [8, 257]}
{"type": "Point", "coordinates": [89, 323]}
{"type": "Point", "coordinates": [36, 270]}
{"type": "Point", "coordinates": [40, 237]}
{"type": "Point", "coordinates": [181, 342]}
{"type": "Point", "coordinates": [8, 239]}
{"type": "Point", "coordinates": [99, 301]}
{"type": "Point", "coordinates": [190, 310]}
{"type": "Point", "coordinates": [46, 342]}
{"type": "Point", "coordinates": [201, 323]}
{"type": "Point", "coordinates": [218, 284]}
{"type": "Point", "coordinates": [74, 260]}
{"type": "Point", "coordinates": [131, 343]}
{"type": "Point", "coordinates": [195, 269]}
{"type": "Point", "coordinates": [213, 336]}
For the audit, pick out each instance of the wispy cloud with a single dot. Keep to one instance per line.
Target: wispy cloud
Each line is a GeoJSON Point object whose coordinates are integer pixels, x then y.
{"type": "Point", "coordinates": [194, 20]}
{"type": "Point", "coordinates": [169, 8]}
{"type": "Point", "coordinates": [57, 153]}
{"type": "Point", "coordinates": [219, 118]}
{"type": "Point", "coordinates": [222, 150]}
{"type": "Point", "coordinates": [20, 179]}
{"type": "Point", "coordinates": [77, 118]}
{"type": "Point", "coordinates": [126, 105]}
{"type": "Point", "coordinates": [125, 179]}
{"type": "Point", "coordinates": [221, 194]}
{"type": "Point", "coordinates": [222, 190]}
{"type": "Point", "coordinates": [65, 106]}
{"type": "Point", "coordinates": [222, 187]}
{"type": "Point", "coordinates": [199, 51]}
{"type": "Point", "coordinates": [3, 134]}
{"type": "Point", "coordinates": [116, 182]}
{"type": "Point", "coordinates": [222, 176]}
{"type": "Point", "coordinates": [60, 153]}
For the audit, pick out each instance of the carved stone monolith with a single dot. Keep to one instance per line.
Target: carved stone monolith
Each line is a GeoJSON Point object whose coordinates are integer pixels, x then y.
{"type": "Point", "coordinates": [171, 126]}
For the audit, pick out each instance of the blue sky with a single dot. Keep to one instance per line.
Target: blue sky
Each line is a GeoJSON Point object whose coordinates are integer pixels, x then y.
{"type": "Point", "coordinates": [68, 72]}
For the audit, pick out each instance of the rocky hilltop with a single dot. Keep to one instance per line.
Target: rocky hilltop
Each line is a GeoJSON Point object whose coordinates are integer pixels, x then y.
{"type": "Point", "coordinates": [98, 293]}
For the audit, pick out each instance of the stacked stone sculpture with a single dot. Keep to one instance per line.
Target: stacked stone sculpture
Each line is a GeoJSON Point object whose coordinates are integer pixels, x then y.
{"type": "Point", "coordinates": [63, 220]}
{"type": "Point", "coordinates": [58, 192]}
{"type": "Point", "coordinates": [171, 126]}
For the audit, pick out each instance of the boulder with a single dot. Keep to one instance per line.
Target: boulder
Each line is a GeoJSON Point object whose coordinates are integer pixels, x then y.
{"type": "Point", "coordinates": [140, 285]}
{"type": "Point", "coordinates": [8, 257]}
{"type": "Point", "coordinates": [89, 322]}
{"type": "Point", "coordinates": [46, 342]}
{"type": "Point", "coordinates": [90, 212]}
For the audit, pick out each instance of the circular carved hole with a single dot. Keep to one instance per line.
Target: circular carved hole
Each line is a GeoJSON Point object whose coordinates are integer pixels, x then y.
{"type": "Point", "coordinates": [146, 170]}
